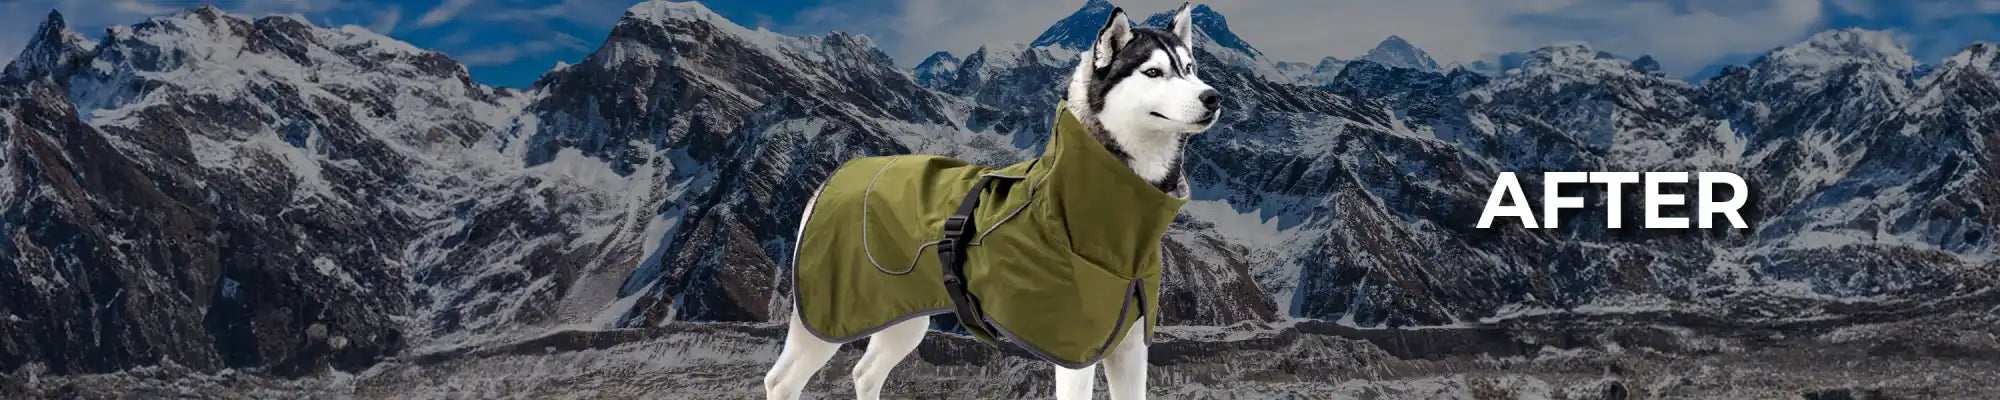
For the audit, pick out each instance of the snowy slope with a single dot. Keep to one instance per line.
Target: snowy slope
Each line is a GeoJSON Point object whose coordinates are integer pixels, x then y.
{"type": "Point", "coordinates": [937, 69]}
{"type": "Point", "coordinates": [240, 189]}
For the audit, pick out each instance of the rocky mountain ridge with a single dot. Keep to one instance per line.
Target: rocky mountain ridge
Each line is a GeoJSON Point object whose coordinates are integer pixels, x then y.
{"type": "Point", "coordinates": [231, 193]}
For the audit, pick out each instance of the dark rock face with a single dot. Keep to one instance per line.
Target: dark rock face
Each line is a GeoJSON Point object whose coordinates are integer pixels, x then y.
{"type": "Point", "coordinates": [58, 275]}
{"type": "Point", "coordinates": [349, 199]}
{"type": "Point", "coordinates": [160, 223]}
{"type": "Point", "coordinates": [1211, 25]}
{"type": "Point", "coordinates": [1646, 64]}
{"type": "Point", "coordinates": [1417, 96]}
{"type": "Point", "coordinates": [1079, 29]}
{"type": "Point", "coordinates": [741, 126]}
{"type": "Point", "coordinates": [129, 247]}
{"type": "Point", "coordinates": [54, 51]}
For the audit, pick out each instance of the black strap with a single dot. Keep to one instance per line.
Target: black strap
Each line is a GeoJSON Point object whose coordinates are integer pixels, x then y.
{"type": "Point", "coordinates": [958, 233]}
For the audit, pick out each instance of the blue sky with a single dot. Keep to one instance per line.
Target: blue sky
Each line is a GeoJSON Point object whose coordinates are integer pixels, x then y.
{"type": "Point", "coordinates": [511, 42]}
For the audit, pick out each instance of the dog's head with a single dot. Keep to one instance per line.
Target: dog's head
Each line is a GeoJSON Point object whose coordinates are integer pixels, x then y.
{"type": "Point", "coordinates": [1139, 85]}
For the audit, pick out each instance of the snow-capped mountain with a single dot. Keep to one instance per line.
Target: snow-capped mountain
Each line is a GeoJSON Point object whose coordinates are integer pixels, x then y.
{"type": "Point", "coordinates": [215, 191]}
{"type": "Point", "coordinates": [55, 52]}
{"type": "Point", "coordinates": [1212, 28]}
{"type": "Point", "coordinates": [219, 191]}
{"type": "Point", "coordinates": [1079, 29]}
{"type": "Point", "coordinates": [1293, 71]}
{"type": "Point", "coordinates": [1327, 69]}
{"type": "Point", "coordinates": [1882, 165]}
{"type": "Point", "coordinates": [937, 69]}
{"type": "Point", "coordinates": [1399, 53]}
{"type": "Point", "coordinates": [1393, 52]}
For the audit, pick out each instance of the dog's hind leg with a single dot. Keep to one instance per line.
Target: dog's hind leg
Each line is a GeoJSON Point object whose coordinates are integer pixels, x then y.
{"type": "Point", "coordinates": [802, 357]}
{"type": "Point", "coordinates": [1125, 367]}
{"type": "Point", "coordinates": [1075, 384]}
{"type": "Point", "coordinates": [885, 350]}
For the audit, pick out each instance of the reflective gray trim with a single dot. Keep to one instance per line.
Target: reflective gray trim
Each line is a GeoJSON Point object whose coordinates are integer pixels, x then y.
{"type": "Point", "coordinates": [798, 305]}
{"type": "Point", "coordinates": [1135, 289]}
{"type": "Point", "coordinates": [878, 328]}
{"type": "Point", "coordinates": [865, 248]}
{"type": "Point", "coordinates": [1010, 216]}
{"type": "Point", "coordinates": [1055, 137]}
{"type": "Point", "coordinates": [976, 241]}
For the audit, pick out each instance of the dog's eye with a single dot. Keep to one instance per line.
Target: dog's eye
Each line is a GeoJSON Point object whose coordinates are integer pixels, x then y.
{"type": "Point", "coordinates": [1152, 72]}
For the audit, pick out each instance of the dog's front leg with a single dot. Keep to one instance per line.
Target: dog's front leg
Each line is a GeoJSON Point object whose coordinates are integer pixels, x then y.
{"type": "Point", "coordinates": [1125, 367]}
{"type": "Point", "coordinates": [1075, 384]}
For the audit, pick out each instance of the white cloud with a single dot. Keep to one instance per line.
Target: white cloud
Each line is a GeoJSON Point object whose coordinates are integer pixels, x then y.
{"type": "Point", "coordinates": [600, 13]}
{"type": "Point", "coordinates": [507, 53]}
{"type": "Point", "coordinates": [454, 39]}
{"type": "Point", "coordinates": [20, 18]}
{"type": "Point", "coordinates": [533, 21]}
{"type": "Point", "coordinates": [140, 7]}
{"type": "Point", "coordinates": [1303, 30]}
{"type": "Point", "coordinates": [443, 12]}
{"type": "Point", "coordinates": [1684, 35]}
{"type": "Point", "coordinates": [267, 7]}
{"type": "Point", "coordinates": [498, 55]}
{"type": "Point", "coordinates": [911, 29]}
{"type": "Point", "coordinates": [385, 21]}
{"type": "Point", "coordinates": [1683, 38]}
{"type": "Point", "coordinates": [557, 42]}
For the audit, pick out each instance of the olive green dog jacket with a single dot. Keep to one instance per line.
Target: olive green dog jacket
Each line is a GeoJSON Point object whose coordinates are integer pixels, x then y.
{"type": "Point", "coordinates": [1065, 255]}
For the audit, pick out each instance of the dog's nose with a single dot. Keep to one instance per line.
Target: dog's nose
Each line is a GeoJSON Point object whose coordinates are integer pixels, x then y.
{"type": "Point", "coordinates": [1211, 99]}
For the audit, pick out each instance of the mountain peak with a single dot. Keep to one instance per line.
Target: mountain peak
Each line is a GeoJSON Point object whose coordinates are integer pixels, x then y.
{"type": "Point", "coordinates": [1983, 57]}
{"type": "Point", "coordinates": [1330, 64]}
{"type": "Point", "coordinates": [675, 16]}
{"type": "Point", "coordinates": [206, 13]}
{"type": "Point", "coordinates": [54, 49]}
{"type": "Point", "coordinates": [54, 20]}
{"type": "Point", "coordinates": [1079, 29]}
{"type": "Point", "coordinates": [1396, 52]}
{"type": "Point", "coordinates": [658, 10]}
{"type": "Point", "coordinates": [1322, 72]}
{"type": "Point", "coordinates": [939, 68]}
{"type": "Point", "coordinates": [1571, 55]}
{"type": "Point", "coordinates": [939, 58]}
{"type": "Point", "coordinates": [1646, 63]}
{"type": "Point", "coordinates": [1208, 23]}
{"type": "Point", "coordinates": [1833, 48]}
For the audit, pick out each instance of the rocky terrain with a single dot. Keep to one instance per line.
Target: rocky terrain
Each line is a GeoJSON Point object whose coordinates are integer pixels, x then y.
{"type": "Point", "coordinates": [1647, 355]}
{"type": "Point", "coordinates": [221, 205]}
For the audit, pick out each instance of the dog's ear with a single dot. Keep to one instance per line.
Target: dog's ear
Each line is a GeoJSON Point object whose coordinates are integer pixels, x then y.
{"type": "Point", "coordinates": [1116, 32]}
{"type": "Point", "coordinates": [1183, 24]}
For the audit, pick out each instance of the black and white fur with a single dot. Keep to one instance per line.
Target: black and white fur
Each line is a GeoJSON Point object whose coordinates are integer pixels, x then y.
{"type": "Point", "coordinates": [1137, 92]}
{"type": "Point", "coordinates": [1136, 89]}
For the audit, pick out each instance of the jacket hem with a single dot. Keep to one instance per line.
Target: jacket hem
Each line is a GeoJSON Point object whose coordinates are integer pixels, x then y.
{"type": "Point", "coordinates": [1134, 289]}
{"type": "Point", "coordinates": [870, 331]}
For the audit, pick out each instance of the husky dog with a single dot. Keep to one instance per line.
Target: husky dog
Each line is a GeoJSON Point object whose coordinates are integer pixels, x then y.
{"type": "Point", "coordinates": [1136, 90]}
